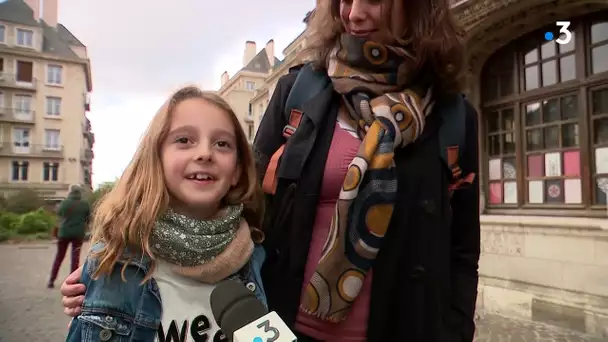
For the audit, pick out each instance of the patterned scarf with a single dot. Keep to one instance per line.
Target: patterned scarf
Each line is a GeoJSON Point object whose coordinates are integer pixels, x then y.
{"type": "Point", "coordinates": [207, 251]}
{"type": "Point", "coordinates": [390, 113]}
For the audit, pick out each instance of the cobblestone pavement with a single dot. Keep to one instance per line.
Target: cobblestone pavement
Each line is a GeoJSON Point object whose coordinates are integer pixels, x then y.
{"type": "Point", "coordinates": [32, 313]}
{"type": "Point", "coordinates": [494, 328]}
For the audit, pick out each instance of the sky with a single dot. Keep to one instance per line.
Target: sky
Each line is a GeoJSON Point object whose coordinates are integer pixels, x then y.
{"type": "Point", "coordinates": [142, 50]}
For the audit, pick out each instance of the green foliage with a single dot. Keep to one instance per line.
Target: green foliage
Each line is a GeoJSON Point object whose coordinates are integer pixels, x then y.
{"type": "Point", "coordinates": [101, 191]}
{"type": "Point", "coordinates": [23, 201]}
{"type": "Point", "coordinates": [34, 225]}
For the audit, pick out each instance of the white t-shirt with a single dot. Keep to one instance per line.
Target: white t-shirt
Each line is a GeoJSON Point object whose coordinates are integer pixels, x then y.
{"type": "Point", "coordinates": [187, 315]}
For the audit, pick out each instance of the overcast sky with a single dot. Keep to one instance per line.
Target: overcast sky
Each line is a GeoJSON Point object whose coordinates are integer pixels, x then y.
{"type": "Point", "coordinates": [142, 50]}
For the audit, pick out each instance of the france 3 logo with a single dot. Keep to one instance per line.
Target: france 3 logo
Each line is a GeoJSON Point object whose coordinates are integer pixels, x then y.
{"type": "Point", "coordinates": [564, 34]}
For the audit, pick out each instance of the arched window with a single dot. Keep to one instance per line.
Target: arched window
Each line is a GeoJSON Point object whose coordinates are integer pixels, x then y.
{"type": "Point", "coordinates": [545, 109]}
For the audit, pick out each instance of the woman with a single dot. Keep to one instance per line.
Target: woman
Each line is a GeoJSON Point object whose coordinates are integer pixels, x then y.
{"type": "Point", "coordinates": [382, 57]}
{"type": "Point", "coordinates": [73, 213]}
{"type": "Point", "coordinates": [412, 258]}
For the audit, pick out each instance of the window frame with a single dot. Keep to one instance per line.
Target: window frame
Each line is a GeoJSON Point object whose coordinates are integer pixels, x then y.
{"type": "Point", "coordinates": [54, 70]}
{"type": "Point", "coordinates": [50, 169]}
{"type": "Point", "coordinates": [3, 35]}
{"type": "Point", "coordinates": [49, 147]}
{"type": "Point", "coordinates": [22, 169]}
{"type": "Point", "coordinates": [582, 86]}
{"type": "Point", "coordinates": [57, 105]}
{"type": "Point", "coordinates": [18, 72]}
{"type": "Point", "coordinates": [21, 29]}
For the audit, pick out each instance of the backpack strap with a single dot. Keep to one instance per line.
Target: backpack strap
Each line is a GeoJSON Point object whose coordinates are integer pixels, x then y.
{"type": "Point", "coordinates": [452, 137]}
{"type": "Point", "coordinates": [269, 184]}
{"type": "Point", "coordinates": [307, 85]}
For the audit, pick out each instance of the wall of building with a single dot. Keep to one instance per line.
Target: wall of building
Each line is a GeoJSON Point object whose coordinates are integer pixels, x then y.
{"type": "Point", "coordinates": [547, 269]}
{"type": "Point", "coordinates": [51, 46]}
{"type": "Point", "coordinates": [542, 264]}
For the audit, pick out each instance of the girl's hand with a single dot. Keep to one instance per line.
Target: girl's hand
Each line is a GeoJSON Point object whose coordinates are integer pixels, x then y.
{"type": "Point", "coordinates": [73, 293]}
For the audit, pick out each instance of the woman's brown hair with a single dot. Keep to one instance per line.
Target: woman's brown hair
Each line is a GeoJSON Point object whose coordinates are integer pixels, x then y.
{"type": "Point", "coordinates": [126, 215]}
{"type": "Point", "coordinates": [430, 31]}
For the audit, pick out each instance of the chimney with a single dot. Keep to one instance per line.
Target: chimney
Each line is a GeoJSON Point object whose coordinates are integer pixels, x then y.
{"type": "Point", "coordinates": [225, 78]}
{"type": "Point", "coordinates": [35, 6]}
{"type": "Point", "coordinates": [250, 51]}
{"type": "Point", "coordinates": [270, 52]}
{"type": "Point", "coordinates": [49, 12]}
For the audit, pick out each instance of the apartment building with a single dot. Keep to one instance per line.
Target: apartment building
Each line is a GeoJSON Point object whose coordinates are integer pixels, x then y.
{"type": "Point", "coordinates": [46, 142]}
{"type": "Point", "coordinates": [294, 54]}
{"type": "Point", "coordinates": [543, 133]}
{"type": "Point", "coordinates": [239, 89]}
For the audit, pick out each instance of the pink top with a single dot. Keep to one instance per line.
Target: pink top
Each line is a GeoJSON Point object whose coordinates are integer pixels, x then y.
{"type": "Point", "coordinates": [343, 149]}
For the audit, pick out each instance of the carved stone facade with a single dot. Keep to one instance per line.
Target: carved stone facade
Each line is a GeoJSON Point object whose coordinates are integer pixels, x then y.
{"type": "Point", "coordinates": [542, 268]}
{"type": "Point", "coordinates": [491, 24]}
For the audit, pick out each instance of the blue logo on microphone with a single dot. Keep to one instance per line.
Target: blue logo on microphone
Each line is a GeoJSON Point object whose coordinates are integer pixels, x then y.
{"type": "Point", "coordinates": [257, 339]}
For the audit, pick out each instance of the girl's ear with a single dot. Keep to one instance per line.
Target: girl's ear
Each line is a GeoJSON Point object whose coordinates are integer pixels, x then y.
{"type": "Point", "coordinates": [237, 175]}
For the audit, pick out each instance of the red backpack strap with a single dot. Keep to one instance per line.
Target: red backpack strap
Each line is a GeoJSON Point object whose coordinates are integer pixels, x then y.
{"type": "Point", "coordinates": [269, 185]}
{"type": "Point", "coordinates": [458, 181]}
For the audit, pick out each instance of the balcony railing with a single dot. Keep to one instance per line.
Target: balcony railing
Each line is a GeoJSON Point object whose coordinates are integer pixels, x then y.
{"type": "Point", "coordinates": [87, 132]}
{"type": "Point", "coordinates": [27, 150]}
{"type": "Point", "coordinates": [17, 115]}
{"type": "Point", "coordinates": [87, 102]}
{"type": "Point", "coordinates": [86, 156]}
{"type": "Point", "coordinates": [11, 81]}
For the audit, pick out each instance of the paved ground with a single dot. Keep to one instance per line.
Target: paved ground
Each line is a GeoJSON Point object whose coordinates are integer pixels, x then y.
{"type": "Point", "coordinates": [30, 312]}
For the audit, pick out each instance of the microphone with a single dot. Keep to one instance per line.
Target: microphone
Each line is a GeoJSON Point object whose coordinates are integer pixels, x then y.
{"type": "Point", "coordinates": [243, 318]}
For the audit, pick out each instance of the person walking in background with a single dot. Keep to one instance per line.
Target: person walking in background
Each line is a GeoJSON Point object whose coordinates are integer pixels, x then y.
{"type": "Point", "coordinates": [73, 213]}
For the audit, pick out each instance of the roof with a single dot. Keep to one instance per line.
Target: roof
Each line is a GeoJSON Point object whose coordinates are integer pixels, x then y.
{"type": "Point", "coordinates": [18, 12]}
{"type": "Point", "coordinates": [56, 41]}
{"type": "Point", "coordinates": [67, 36]}
{"type": "Point", "coordinates": [260, 63]}
{"type": "Point", "coordinates": [54, 44]}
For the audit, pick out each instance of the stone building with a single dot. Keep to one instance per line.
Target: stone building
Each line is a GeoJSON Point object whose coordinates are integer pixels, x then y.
{"type": "Point", "coordinates": [543, 134]}
{"type": "Point", "coordinates": [46, 141]}
{"type": "Point", "coordinates": [239, 89]}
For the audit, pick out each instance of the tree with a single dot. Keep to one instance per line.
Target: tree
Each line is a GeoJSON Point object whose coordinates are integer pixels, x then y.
{"type": "Point", "coordinates": [23, 201]}
{"type": "Point", "coordinates": [101, 190]}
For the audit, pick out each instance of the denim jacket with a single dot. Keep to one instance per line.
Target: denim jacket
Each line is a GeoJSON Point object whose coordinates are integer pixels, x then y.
{"type": "Point", "coordinates": [117, 311]}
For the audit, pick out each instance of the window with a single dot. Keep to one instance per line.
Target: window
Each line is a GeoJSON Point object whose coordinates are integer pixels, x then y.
{"type": "Point", "coordinates": [250, 131]}
{"type": "Point", "coordinates": [599, 47]}
{"type": "Point", "coordinates": [50, 172]}
{"type": "Point", "coordinates": [51, 139]}
{"type": "Point", "coordinates": [501, 148]}
{"type": "Point", "coordinates": [25, 72]}
{"type": "Point", "coordinates": [548, 63]}
{"type": "Point", "coordinates": [552, 149]}
{"type": "Point", "coordinates": [25, 37]}
{"type": "Point", "coordinates": [250, 110]}
{"type": "Point", "coordinates": [542, 131]}
{"type": "Point", "coordinates": [21, 140]}
{"type": "Point", "coordinates": [599, 142]}
{"type": "Point", "coordinates": [23, 107]}
{"type": "Point", "coordinates": [20, 170]}
{"type": "Point", "coordinates": [2, 34]}
{"type": "Point", "coordinates": [250, 85]}
{"type": "Point", "coordinates": [53, 106]}
{"type": "Point", "coordinates": [54, 74]}
{"type": "Point", "coordinates": [1, 102]}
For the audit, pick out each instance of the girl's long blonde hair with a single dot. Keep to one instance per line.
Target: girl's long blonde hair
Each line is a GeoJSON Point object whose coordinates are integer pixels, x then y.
{"type": "Point", "coordinates": [127, 214]}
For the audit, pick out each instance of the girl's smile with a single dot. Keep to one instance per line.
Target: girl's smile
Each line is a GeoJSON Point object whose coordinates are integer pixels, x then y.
{"type": "Point", "coordinates": [200, 158]}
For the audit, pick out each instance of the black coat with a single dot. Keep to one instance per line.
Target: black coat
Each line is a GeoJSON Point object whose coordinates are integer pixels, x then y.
{"type": "Point", "coordinates": [425, 276]}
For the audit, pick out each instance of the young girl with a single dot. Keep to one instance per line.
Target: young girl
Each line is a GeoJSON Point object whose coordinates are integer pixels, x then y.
{"type": "Point", "coordinates": [177, 222]}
